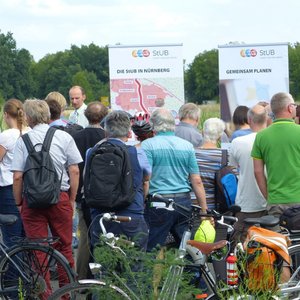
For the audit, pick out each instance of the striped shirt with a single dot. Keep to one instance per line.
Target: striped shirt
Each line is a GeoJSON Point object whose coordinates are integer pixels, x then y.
{"type": "Point", "coordinates": [209, 161]}
{"type": "Point", "coordinates": [172, 160]}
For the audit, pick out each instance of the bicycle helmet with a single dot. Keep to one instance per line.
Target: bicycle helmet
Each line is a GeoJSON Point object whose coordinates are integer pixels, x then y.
{"type": "Point", "coordinates": [141, 126]}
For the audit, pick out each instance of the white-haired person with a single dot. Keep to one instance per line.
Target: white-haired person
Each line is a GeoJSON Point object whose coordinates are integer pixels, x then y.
{"type": "Point", "coordinates": [174, 171]}
{"type": "Point", "coordinates": [209, 157]}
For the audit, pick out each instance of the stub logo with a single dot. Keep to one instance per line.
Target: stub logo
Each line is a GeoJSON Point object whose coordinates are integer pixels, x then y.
{"type": "Point", "coordinates": [140, 53]}
{"type": "Point", "coordinates": [248, 52]}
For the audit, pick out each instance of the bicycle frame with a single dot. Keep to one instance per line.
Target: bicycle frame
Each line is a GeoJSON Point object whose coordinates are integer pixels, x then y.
{"type": "Point", "coordinates": [171, 284]}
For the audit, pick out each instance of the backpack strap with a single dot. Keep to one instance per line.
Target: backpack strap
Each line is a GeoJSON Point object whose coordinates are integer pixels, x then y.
{"type": "Point", "coordinates": [28, 143]}
{"type": "Point", "coordinates": [48, 139]}
{"type": "Point", "coordinates": [224, 158]}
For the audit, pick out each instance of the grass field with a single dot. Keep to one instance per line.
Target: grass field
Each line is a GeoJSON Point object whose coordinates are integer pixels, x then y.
{"type": "Point", "coordinates": [209, 111]}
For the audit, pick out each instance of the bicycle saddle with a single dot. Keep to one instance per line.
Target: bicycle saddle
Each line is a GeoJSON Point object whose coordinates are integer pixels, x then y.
{"type": "Point", "coordinates": [8, 219]}
{"type": "Point", "coordinates": [264, 221]}
{"type": "Point", "coordinates": [207, 248]}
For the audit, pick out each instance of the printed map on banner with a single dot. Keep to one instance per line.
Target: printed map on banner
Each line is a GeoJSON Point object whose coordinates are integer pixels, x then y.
{"type": "Point", "coordinates": [145, 77]}
{"type": "Point", "coordinates": [134, 95]}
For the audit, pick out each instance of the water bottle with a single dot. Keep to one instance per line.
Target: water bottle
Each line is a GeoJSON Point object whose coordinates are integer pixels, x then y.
{"type": "Point", "coordinates": [182, 248]}
{"type": "Point", "coordinates": [232, 272]}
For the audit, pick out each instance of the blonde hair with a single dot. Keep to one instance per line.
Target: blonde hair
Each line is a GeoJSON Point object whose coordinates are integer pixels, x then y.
{"type": "Point", "coordinates": [58, 97]}
{"type": "Point", "coordinates": [37, 110]}
{"type": "Point", "coordinates": [14, 108]}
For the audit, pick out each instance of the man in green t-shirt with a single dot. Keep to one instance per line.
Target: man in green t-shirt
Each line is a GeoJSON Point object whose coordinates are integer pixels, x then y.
{"type": "Point", "coordinates": [278, 149]}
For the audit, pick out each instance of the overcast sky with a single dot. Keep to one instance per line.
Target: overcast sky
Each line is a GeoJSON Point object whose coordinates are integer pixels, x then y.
{"type": "Point", "coordinates": [48, 26]}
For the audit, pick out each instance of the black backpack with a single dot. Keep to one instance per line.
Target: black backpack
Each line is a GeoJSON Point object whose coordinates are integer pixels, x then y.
{"type": "Point", "coordinates": [225, 185]}
{"type": "Point", "coordinates": [290, 218]}
{"type": "Point", "coordinates": [70, 128]}
{"type": "Point", "coordinates": [108, 178]}
{"type": "Point", "coordinates": [41, 184]}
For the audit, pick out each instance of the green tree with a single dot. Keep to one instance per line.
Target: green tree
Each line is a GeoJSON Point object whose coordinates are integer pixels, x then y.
{"type": "Point", "coordinates": [86, 66]}
{"type": "Point", "coordinates": [54, 72]}
{"type": "Point", "coordinates": [294, 70]}
{"type": "Point", "coordinates": [93, 59]}
{"type": "Point", "coordinates": [201, 78]}
{"type": "Point", "coordinates": [82, 79]}
{"type": "Point", "coordinates": [15, 65]}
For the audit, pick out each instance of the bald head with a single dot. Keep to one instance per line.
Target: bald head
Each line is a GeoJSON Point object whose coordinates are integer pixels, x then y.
{"type": "Point", "coordinates": [257, 117]}
{"type": "Point", "coordinates": [95, 112]}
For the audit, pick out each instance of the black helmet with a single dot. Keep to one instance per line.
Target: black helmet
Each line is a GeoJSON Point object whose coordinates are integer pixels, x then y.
{"type": "Point", "coordinates": [141, 128]}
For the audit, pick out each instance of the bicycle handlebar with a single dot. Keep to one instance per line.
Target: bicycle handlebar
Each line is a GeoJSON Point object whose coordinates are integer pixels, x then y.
{"type": "Point", "coordinates": [122, 219]}
{"type": "Point", "coordinates": [171, 205]}
{"type": "Point", "coordinates": [113, 217]}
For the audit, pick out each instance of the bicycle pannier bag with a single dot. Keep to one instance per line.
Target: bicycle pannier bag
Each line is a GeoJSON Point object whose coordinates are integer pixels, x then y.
{"type": "Point", "coordinates": [265, 251]}
{"type": "Point", "coordinates": [41, 183]}
{"type": "Point", "coordinates": [108, 179]}
{"type": "Point", "coordinates": [291, 218]}
{"type": "Point", "coordinates": [262, 267]}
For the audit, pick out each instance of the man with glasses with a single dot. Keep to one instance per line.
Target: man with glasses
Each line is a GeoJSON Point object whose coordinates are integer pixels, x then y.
{"type": "Point", "coordinates": [278, 149]}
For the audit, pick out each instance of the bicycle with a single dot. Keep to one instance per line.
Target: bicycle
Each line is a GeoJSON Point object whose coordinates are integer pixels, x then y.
{"type": "Point", "coordinates": [32, 269]}
{"type": "Point", "coordinates": [171, 284]}
{"type": "Point", "coordinates": [200, 255]}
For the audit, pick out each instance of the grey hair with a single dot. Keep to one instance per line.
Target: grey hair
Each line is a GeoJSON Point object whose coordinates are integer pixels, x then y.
{"type": "Point", "coordinates": [279, 102]}
{"type": "Point", "coordinates": [258, 114]}
{"type": "Point", "coordinates": [190, 111]}
{"type": "Point", "coordinates": [162, 120]}
{"type": "Point", "coordinates": [213, 129]}
{"type": "Point", "coordinates": [117, 124]}
{"type": "Point", "coordinates": [37, 110]}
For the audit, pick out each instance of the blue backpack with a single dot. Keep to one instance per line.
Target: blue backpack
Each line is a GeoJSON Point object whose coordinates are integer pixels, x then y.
{"type": "Point", "coordinates": [225, 185]}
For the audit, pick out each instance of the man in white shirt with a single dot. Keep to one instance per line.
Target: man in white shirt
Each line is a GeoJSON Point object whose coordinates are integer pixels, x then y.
{"type": "Point", "coordinates": [77, 97]}
{"type": "Point", "coordinates": [249, 197]}
{"type": "Point", "coordinates": [66, 157]}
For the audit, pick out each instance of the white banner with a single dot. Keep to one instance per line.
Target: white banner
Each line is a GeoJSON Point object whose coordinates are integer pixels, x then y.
{"type": "Point", "coordinates": [251, 73]}
{"type": "Point", "coordinates": [145, 77]}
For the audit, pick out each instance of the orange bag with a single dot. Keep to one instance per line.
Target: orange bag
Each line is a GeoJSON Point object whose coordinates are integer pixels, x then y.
{"type": "Point", "coordinates": [262, 269]}
{"type": "Point", "coordinates": [265, 250]}
{"type": "Point", "coordinates": [273, 240]}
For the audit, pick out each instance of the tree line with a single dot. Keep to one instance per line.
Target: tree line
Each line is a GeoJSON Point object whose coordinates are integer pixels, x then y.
{"type": "Point", "coordinates": [21, 77]}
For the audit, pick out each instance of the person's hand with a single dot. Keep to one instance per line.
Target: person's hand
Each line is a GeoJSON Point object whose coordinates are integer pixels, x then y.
{"type": "Point", "coordinates": [211, 219]}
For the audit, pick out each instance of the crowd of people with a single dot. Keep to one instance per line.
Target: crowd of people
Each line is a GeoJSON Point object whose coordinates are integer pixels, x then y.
{"type": "Point", "coordinates": [176, 161]}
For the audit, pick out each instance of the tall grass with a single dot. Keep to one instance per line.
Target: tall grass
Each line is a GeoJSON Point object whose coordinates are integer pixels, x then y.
{"type": "Point", "coordinates": [209, 111]}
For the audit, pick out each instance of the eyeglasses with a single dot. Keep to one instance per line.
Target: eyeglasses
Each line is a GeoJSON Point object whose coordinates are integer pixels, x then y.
{"type": "Point", "coordinates": [294, 104]}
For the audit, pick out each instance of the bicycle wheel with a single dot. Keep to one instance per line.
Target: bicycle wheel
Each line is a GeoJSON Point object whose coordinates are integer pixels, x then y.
{"type": "Point", "coordinates": [33, 271]}
{"type": "Point", "coordinates": [89, 289]}
{"type": "Point", "coordinates": [294, 252]}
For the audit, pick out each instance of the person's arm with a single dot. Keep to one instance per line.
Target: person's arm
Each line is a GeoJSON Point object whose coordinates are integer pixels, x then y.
{"type": "Point", "coordinates": [17, 187]}
{"type": "Point", "coordinates": [260, 177]}
{"type": "Point", "coordinates": [146, 182]}
{"type": "Point", "coordinates": [2, 152]}
{"type": "Point", "coordinates": [199, 191]}
{"type": "Point", "coordinates": [74, 181]}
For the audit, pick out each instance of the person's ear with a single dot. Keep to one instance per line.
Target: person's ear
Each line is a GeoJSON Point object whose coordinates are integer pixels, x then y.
{"type": "Point", "coordinates": [129, 134]}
